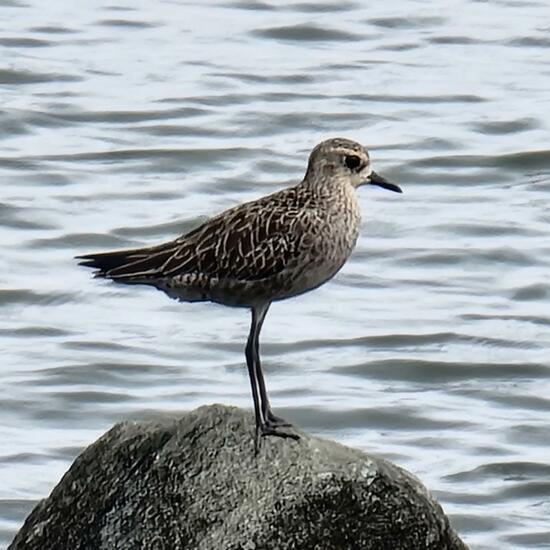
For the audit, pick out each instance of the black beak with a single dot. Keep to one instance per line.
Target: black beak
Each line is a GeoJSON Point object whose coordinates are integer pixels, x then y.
{"type": "Point", "coordinates": [375, 179]}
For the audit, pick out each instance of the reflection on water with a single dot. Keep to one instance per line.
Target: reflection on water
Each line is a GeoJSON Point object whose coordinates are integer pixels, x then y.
{"type": "Point", "coordinates": [124, 125]}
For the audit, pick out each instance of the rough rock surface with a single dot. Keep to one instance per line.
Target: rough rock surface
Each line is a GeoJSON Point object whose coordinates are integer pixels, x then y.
{"type": "Point", "coordinates": [195, 484]}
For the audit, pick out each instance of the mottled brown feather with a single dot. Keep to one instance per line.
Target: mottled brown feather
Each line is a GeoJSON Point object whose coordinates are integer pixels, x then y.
{"type": "Point", "coordinates": [249, 242]}
{"type": "Point", "coordinates": [272, 248]}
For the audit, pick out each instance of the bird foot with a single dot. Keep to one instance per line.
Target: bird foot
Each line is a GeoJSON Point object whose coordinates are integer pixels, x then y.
{"type": "Point", "coordinates": [267, 429]}
{"type": "Point", "coordinates": [274, 421]}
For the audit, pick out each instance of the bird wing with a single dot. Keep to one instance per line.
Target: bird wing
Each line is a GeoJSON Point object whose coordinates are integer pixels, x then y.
{"type": "Point", "coordinates": [249, 242]}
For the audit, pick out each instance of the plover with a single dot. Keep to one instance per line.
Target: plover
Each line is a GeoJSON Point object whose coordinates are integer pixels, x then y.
{"type": "Point", "coordinates": [259, 252]}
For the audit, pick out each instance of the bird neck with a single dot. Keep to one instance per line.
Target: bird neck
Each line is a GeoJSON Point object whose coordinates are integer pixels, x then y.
{"type": "Point", "coordinates": [324, 187]}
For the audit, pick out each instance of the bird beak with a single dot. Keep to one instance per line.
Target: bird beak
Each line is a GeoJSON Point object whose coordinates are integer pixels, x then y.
{"type": "Point", "coordinates": [375, 179]}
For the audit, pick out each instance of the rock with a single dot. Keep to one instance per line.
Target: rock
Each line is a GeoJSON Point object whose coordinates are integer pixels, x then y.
{"type": "Point", "coordinates": [195, 484]}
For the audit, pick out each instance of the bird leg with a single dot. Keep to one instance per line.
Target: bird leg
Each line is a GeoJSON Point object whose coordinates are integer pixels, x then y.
{"type": "Point", "coordinates": [249, 354]}
{"type": "Point", "coordinates": [270, 419]}
{"type": "Point", "coordinates": [266, 421]}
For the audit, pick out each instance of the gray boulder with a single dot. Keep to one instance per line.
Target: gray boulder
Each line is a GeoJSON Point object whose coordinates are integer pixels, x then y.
{"type": "Point", "coordinates": [195, 484]}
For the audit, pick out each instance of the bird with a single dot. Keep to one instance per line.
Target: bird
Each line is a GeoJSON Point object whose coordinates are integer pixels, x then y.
{"type": "Point", "coordinates": [259, 252]}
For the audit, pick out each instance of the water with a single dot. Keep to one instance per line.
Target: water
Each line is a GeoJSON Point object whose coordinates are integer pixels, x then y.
{"type": "Point", "coordinates": [127, 123]}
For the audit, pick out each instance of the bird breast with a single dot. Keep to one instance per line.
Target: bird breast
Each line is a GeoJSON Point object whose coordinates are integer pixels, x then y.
{"type": "Point", "coordinates": [328, 235]}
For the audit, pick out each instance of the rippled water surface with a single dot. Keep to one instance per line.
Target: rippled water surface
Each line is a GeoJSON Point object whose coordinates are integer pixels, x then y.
{"type": "Point", "coordinates": [127, 123]}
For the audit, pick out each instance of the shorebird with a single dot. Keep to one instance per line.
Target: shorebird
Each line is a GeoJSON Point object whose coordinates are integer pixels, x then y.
{"type": "Point", "coordinates": [259, 252]}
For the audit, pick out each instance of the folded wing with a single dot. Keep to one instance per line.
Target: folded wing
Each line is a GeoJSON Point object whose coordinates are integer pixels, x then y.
{"type": "Point", "coordinates": [250, 242]}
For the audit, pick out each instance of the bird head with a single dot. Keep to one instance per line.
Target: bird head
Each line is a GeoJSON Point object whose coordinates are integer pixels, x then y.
{"type": "Point", "coordinates": [347, 161]}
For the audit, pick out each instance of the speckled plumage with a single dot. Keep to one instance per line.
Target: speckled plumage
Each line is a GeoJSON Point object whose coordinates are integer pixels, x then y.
{"type": "Point", "coordinates": [273, 248]}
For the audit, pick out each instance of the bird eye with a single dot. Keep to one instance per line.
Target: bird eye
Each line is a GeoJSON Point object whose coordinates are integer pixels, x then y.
{"type": "Point", "coordinates": [352, 162]}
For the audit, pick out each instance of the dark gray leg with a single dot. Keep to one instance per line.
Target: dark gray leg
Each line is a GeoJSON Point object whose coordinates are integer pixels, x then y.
{"type": "Point", "coordinates": [249, 354]}
{"type": "Point", "coordinates": [269, 421]}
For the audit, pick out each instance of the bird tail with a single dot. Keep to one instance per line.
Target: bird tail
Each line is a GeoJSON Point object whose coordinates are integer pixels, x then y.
{"type": "Point", "coordinates": [127, 265]}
